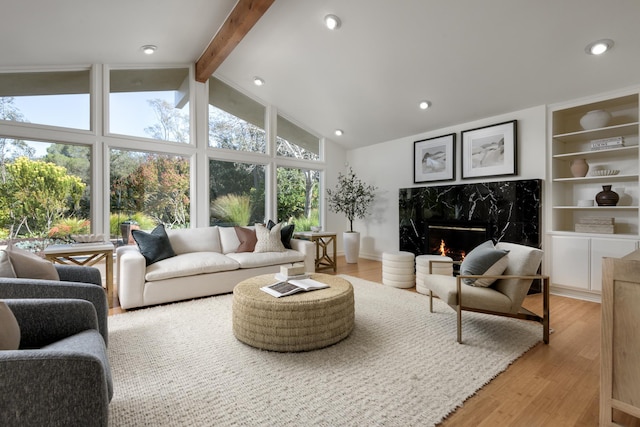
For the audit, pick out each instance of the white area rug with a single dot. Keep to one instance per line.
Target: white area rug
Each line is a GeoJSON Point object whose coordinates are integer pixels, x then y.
{"type": "Point", "coordinates": [180, 365]}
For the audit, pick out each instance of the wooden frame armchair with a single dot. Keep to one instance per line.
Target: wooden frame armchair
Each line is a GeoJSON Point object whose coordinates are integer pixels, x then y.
{"type": "Point", "coordinates": [504, 297]}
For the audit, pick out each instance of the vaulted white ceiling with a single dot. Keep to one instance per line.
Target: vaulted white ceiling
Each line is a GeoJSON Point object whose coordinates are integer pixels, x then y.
{"type": "Point", "coordinates": [471, 59]}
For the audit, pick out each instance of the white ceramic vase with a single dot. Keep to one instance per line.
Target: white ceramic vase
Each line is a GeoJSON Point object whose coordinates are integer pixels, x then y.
{"type": "Point", "coordinates": [351, 244]}
{"type": "Point", "coordinates": [595, 119]}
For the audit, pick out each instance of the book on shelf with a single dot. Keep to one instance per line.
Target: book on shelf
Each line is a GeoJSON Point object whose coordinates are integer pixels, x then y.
{"type": "Point", "coordinates": [607, 143]}
{"type": "Point", "coordinates": [595, 228]}
{"type": "Point", "coordinates": [602, 225]}
{"type": "Point", "coordinates": [597, 220]}
{"type": "Point", "coordinates": [289, 287]}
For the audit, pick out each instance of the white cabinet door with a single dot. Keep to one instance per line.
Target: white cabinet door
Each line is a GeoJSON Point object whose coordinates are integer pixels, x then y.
{"type": "Point", "coordinates": [570, 261]}
{"type": "Point", "coordinates": [613, 248]}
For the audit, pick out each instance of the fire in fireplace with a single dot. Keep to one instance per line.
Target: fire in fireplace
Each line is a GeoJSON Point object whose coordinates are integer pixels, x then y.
{"type": "Point", "coordinates": [456, 238]}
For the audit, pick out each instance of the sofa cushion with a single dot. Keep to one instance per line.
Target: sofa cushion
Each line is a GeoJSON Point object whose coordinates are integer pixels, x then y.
{"type": "Point", "coordinates": [30, 266]}
{"type": "Point", "coordinates": [286, 233]}
{"type": "Point", "coordinates": [484, 259]}
{"type": "Point", "coordinates": [154, 246]}
{"type": "Point", "coordinates": [269, 240]}
{"type": "Point", "coordinates": [228, 239]}
{"type": "Point", "coordinates": [190, 264]}
{"type": "Point", "coordinates": [201, 239]}
{"type": "Point", "coordinates": [247, 238]}
{"type": "Point", "coordinates": [9, 329]}
{"type": "Point", "coordinates": [263, 259]}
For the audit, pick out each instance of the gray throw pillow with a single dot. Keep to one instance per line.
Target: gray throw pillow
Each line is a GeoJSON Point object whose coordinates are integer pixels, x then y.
{"type": "Point", "coordinates": [484, 259]}
{"type": "Point", "coordinates": [154, 246]}
{"type": "Point", "coordinates": [269, 240]}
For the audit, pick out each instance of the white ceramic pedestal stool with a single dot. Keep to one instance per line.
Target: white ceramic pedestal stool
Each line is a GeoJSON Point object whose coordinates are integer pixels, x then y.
{"type": "Point", "coordinates": [422, 269]}
{"type": "Point", "coordinates": [398, 269]}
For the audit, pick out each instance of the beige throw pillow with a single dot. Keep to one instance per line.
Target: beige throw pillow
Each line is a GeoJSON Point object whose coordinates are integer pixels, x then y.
{"type": "Point", "coordinates": [6, 269]}
{"type": "Point", "coordinates": [269, 240]}
{"type": "Point", "coordinates": [9, 329]}
{"type": "Point", "coordinates": [30, 266]}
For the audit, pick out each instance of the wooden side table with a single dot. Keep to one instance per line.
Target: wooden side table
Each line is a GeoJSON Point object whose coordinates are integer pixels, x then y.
{"type": "Point", "coordinates": [322, 240]}
{"type": "Point", "coordinates": [86, 254]}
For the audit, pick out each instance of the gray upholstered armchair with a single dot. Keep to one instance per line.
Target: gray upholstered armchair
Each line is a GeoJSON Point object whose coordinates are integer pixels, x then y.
{"type": "Point", "coordinates": [75, 282]}
{"type": "Point", "coordinates": [60, 374]}
{"type": "Point", "coordinates": [504, 297]}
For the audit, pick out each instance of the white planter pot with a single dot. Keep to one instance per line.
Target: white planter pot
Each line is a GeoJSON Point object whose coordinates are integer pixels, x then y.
{"type": "Point", "coordinates": [351, 243]}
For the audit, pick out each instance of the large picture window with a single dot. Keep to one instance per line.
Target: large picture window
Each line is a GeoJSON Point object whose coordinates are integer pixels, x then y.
{"type": "Point", "coordinates": [236, 122]}
{"type": "Point", "coordinates": [148, 189]}
{"type": "Point", "coordinates": [150, 103]}
{"type": "Point", "coordinates": [45, 192]}
{"type": "Point", "coordinates": [298, 197]}
{"type": "Point", "coordinates": [236, 193]}
{"type": "Point", "coordinates": [60, 98]}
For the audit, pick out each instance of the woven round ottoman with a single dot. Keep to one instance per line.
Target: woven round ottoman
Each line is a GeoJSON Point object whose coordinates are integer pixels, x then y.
{"type": "Point", "coordinates": [422, 270]}
{"type": "Point", "coordinates": [298, 322]}
{"type": "Point", "coordinates": [398, 269]}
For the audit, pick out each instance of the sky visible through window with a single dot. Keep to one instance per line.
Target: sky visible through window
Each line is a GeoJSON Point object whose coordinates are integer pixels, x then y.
{"type": "Point", "coordinates": [130, 112]}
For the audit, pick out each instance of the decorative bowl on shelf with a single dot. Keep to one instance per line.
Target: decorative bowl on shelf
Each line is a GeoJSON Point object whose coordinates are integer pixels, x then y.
{"type": "Point", "coordinates": [595, 119]}
{"type": "Point", "coordinates": [585, 203]}
{"type": "Point", "coordinates": [605, 172]}
{"type": "Point", "coordinates": [87, 238]}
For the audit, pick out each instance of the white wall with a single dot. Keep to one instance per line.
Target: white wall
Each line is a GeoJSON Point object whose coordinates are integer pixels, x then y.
{"type": "Point", "coordinates": [389, 166]}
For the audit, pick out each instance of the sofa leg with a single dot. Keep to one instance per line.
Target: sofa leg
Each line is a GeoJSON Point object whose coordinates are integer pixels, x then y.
{"type": "Point", "coordinates": [430, 301]}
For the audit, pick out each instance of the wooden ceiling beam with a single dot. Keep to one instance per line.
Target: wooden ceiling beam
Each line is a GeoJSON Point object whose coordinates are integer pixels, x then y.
{"type": "Point", "coordinates": [239, 22]}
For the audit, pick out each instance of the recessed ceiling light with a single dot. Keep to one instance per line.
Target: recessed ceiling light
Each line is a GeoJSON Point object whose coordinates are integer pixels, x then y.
{"type": "Point", "coordinates": [258, 81]}
{"type": "Point", "coordinates": [149, 49]}
{"type": "Point", "coordinates": [424, 105]}
{"type": "Point", "coordinates": [339, 132]}
{"type": "Point", "coordinates": [332, 22]}
{"type": "Point", "coordinates": [599, 47]}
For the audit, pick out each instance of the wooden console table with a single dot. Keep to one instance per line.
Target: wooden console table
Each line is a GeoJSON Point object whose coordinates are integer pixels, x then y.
{"type": "Point", "coordinates": [322, 240]}
{"type": "Point", "coordinates": [86, 254]}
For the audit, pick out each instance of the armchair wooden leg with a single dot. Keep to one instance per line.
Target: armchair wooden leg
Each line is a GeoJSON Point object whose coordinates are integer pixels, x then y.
{"type": "Point", "coordinates": [459, 309]}
{"type": "Point", "coordinates": [545, 310]}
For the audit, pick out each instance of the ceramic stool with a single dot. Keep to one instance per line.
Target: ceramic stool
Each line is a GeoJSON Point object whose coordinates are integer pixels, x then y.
{"type": "Point", "coordinates": [422, 270]}
{"type": "Point", "coordinates": [398, 269]}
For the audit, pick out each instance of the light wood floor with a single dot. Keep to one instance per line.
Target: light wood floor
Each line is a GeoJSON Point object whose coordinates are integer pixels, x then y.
{"type": "Point", "coordinates": [550, 385]}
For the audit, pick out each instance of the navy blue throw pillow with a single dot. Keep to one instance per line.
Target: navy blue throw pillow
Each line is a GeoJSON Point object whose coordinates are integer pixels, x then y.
{"type": "Point", "coordinates": [154, 246]}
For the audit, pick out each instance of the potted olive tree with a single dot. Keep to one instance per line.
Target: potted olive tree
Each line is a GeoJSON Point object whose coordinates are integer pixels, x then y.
{"type": "Point", "coordinates": [352, 197]}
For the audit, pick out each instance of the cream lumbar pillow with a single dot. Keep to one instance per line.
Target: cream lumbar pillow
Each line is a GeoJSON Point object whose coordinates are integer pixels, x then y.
{"type": "Point", "coordinates": [269, 240]}
{"type": "Point", "coordinates": [9, 329]}
{"type": "Point", "coordinates": [30, 266]}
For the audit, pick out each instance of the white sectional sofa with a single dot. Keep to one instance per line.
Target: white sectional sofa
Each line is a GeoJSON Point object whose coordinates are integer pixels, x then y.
{"type": "Point", "coordinates": [206, 263]}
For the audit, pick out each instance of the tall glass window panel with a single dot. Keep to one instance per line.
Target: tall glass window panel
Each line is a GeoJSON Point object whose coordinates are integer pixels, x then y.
{"type": "Point", "coordinates": [293, 141]}
{"type": "Point", "coordinates": [150, 103]}
{"type": "Point", "coordinates": [45, 192]}
{"type": "Point", "coordinates": [298, 197]}
{"type": "Point", "coordinates": [54, 98]}
{"type": "Point", "coordinates": [236, 193]}
{"type": "Point", "coordinates": [236, 122]}
{"type": "Point", "coordinates": [147, 189]}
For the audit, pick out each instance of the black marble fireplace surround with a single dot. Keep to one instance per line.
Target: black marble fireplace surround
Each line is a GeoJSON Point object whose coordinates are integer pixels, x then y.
{"type": "Point", "coordinates": [508, 211]}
